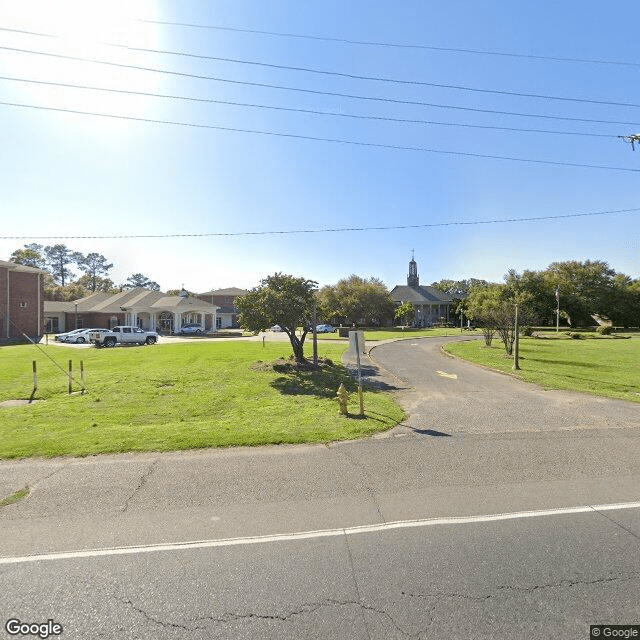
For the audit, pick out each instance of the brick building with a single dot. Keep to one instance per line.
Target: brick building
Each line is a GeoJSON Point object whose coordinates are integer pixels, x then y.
{"type": "Point", "coordinates": [225, 299]}
{"type": "Point", "coordinates": [21, 302]}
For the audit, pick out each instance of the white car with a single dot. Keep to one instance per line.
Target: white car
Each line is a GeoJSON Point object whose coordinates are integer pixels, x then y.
{"type": "Point", "coordinates": [62, 337]}
{"type": "Point", "coordinates": [82, 335]}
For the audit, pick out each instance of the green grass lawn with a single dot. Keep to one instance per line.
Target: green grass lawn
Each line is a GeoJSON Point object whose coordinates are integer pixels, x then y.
{"type": "Point", "coordinates": [605, 367]}
{"type": "Point", "coordinates": [177, 396]}
{"type": "Point", "coordinates": [392, 332]}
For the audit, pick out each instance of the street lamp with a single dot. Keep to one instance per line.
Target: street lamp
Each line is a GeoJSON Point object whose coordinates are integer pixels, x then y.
{"type": "Point", "coordinates": [76, 315]}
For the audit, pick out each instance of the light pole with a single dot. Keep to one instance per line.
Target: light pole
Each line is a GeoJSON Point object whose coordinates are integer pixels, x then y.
{"type": "Point", "coordinates": [558, 309]}
{"type": "Point", "coordinates": [516, 348]}
{"type": "Point", "coordinates": [76, 315]}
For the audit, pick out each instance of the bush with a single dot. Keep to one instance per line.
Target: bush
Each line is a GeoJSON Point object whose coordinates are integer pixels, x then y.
{"type": "Point", "coordinates": [527, 331]}
{"type": "Point", "coordinates": [575, 335]}
{"type": "Point", "coordinates": [605, 329]}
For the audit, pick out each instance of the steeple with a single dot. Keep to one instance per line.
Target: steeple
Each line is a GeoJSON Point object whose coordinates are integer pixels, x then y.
{"type": "Point", "coordinates": [412, 279]}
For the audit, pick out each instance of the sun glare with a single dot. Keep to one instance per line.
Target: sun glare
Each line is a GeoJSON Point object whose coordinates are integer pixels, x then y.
{"type": "Point", "coordinates": [79, 29]}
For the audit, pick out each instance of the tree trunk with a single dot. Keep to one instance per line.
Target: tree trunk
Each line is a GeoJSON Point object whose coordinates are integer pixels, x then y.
{"type": "Point", "coordinates": [298, 346]}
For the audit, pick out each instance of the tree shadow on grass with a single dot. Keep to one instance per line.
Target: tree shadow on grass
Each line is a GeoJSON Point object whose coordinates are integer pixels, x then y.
{"type": "Point", "coordinates": [322, 382]}
{"type": "Point", "coordinates": [573, 363]}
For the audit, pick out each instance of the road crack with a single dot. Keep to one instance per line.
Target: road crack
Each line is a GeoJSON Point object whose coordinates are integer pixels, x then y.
{"type": "Point", "coordinates": [143, 480]}
{"type": "Point", "coordinates": [367, 483]}
{"type": "Point", "coordinates": [148, 616]}
{"type": "Point", "coordinates": [302, 610]}
{"type": "Point", "coordinates": [571, 583]}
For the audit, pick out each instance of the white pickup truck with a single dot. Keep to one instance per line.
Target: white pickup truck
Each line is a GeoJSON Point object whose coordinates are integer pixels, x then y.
{"type": "Point", "coordinates": [123, 335]}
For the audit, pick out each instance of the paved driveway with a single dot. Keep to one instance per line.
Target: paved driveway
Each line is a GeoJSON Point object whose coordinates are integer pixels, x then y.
{"type": "Point", "coordinates": [445, 395]}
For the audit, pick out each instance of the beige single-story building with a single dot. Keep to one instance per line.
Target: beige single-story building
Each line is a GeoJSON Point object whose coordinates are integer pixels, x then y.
{"type": "Point", "coordinates": [149, 310]}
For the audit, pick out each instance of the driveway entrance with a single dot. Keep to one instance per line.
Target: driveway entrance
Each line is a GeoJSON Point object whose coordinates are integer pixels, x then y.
{"type": "Point", "coordinates": [444, 395]}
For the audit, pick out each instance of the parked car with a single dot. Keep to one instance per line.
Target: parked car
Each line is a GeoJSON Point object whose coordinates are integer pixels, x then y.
{"type": "Point", "coordinates": [325, 328]}
{"type": "Point", "coordinates": [123, 335]}
{"type": "Point", "coordinates": [276, 328]}
{"type": "Point", "coordinates": [82, 335]}
{"type": "Point", "coordinates": [190, 328]}
{"type": "Point", "coordinates": [62, 337]}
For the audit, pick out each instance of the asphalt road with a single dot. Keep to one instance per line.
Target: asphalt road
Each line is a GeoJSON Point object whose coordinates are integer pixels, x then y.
{"type": "Point", "coordinates": [446, 394]}
{"type": "Point", "coordinates": [539, 575]}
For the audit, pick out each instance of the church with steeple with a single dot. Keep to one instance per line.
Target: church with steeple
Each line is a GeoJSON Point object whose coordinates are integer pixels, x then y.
{"type": "Point", "coordinates": [432, 306]}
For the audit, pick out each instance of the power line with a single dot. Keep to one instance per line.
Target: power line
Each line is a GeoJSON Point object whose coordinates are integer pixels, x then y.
{"type": "Point", "coordinates": [396, 45]}
{"type": "Point", "coordinates": [300, 110]}
{"type": "Point", "coordinates": [329, 93]}
{"type": "Point", "coordinates": [335, 230]}
{"type": "Point", "coordinates": [279, 134]}
{"type": "Point", "coordinates": [320, 72]}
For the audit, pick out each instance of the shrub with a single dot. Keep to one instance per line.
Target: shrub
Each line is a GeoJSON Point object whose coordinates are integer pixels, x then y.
{"type": "Point", "coordinates": [527, 331]}
{"type": "Point", "coordinates": [605, 329]}
{"type": "Point", "coordinates": [575, 335]}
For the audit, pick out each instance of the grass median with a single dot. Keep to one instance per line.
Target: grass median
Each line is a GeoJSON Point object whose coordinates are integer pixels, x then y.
{"type": "Point", "coordinates": [603, 367]}
{"type": "Point", "coordinates": [178, 396]}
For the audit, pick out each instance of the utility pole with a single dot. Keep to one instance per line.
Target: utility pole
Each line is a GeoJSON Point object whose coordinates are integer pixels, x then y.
{"type": "Point", "coordinates": [632, 139]}
{"type": "Point", "coordinates": [516, 348]}
{"type": "Point", "coordinates": [558, 309]}
{"type": "Point", "coordinates": [315, 335]}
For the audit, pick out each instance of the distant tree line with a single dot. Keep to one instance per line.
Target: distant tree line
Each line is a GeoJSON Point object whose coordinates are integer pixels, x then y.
{"type": "Point", "coordinates": [64, 283]}
{"type": "Point", "coordinates": [584, 292]}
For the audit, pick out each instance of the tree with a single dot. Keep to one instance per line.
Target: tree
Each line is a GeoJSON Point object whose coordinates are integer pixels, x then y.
{"type": "Point", "coordinates": [357, 300]}
{"type": "Point", "coordinates": [458, 289]}
{"type": "Point", "coordinates": [405, 313]}
{"type": "Point", "coordinates": [103, 285]}
{"type": "Point", "coordinates": [30, 256]}
{"type": "Point", "coordinates": [58, 258]}
{"type": "Point", "coordinates": [586, 288]}
{"type": "Point", "coordinates": [283, 300]}
{"type": "Point", "coordinates": [94, 265]}
{"type": "Point", "coordinates": [493, 307]}
{"type": "Point", "coordinates": [140, 280]}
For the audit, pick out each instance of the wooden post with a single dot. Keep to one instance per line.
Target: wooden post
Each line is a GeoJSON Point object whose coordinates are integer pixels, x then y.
{"type": "Point", "coordinates": [70, 378]}
{"type": "Point", "coordinates": [82, 376]}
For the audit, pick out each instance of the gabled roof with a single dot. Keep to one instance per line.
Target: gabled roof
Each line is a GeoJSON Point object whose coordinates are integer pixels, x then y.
{"type": "Point", "coordinates": [231, 291]}
{"type": "Point", "coordinates": [14, 266]}
{"type": "Point", "coordinates": [419, 295]}
{"type": "Point", "coordinates": [137, 300]}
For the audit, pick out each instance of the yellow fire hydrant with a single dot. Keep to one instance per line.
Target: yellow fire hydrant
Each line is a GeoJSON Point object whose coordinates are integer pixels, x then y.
{"type": "Point", "coordinates": [343, 398]}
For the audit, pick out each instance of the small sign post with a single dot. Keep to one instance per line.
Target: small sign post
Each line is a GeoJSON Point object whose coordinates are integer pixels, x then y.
{"type": "Point", "coordinates": [359, 375]}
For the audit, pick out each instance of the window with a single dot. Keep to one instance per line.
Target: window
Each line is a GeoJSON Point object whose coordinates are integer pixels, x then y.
{"type": "Point", "coordinates": [23, 305]}
{"type": "Point", "coordinates": [126, 329]}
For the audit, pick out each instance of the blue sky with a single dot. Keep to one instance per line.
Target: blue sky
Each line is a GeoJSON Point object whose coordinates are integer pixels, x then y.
{"type": "Point", "coordinates": [67, 174]}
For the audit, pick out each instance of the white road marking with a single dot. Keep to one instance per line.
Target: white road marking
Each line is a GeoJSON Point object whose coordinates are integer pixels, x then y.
{"type": "Point", "coordinates": [327, 533]}
{"type": "Point", "coordinates": [444, 374]}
